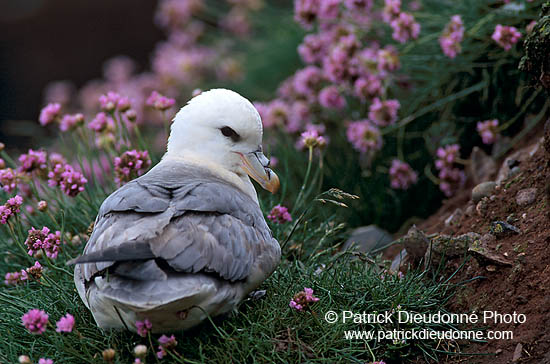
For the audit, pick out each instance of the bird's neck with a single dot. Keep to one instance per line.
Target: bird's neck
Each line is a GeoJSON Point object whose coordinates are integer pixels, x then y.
{"type": "Point", "coordinates": [241, 180]}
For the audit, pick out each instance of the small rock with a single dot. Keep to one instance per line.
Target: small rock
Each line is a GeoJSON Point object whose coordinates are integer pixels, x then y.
{"type": "Point", "coordinates": [517, 353]}
{"type": "Point", "coordinates": [482, 167]}
{"type": "Point", "coordinates": [454, 218]}
{"type": "Point", "coordinates": [367, 238]}
{"type": "Point", "coordinates": [501, 228]}
{"type": "Point", "coordinates": [470, 210]}
{"type": "Point", "coordinates": [491, 268]}
{"type": "Point", "coordinates": [482, 206]}
{"type": "Point", "coordinates": [416, 243]}
{"type": "Point", "coordinates": [498, 351]}
{"type": "Point", "coordinates": [526, 197]}
{"type": "Point", "coordinates": [484, 189]}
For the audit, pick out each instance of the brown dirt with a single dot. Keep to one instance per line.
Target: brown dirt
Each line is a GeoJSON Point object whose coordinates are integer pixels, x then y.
{"type": "Point", "coordinates": [524, 287]}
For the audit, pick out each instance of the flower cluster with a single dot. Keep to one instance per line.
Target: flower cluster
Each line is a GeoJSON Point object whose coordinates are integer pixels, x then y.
{"type": "Point", "coordinates": [65, 323]}
{"type": "Point", "coordinates": [130, 165]}
{"type": "Point", "coordinates": [143, 327]}
{"type": "Point", "coordinates": [506, 36]}
{"type": "Point", "coordinates": [279, 214]}
{"type": "Point", "coordinates": [166, 343]}
{"type": "Point", "coordinates": [71, 122]}
{"type": "Point", "coordinates": [404, 27]}
{"type": "Point", "coordinates": [50, 113]}
{"type": "Point", "coordinates": [160, 102]}
{"type": "Point", "coordinates": [364, 136]}
{"type": "Point", "coordinates": [36, 321]}
{"type": "Point", "coordinates": [383, 113]}
{"type": "Point", "coordinates": [402, 176]}
{"type": "Point", "coordinates": [34, 272]}
{"type": "Point", "coordinates": [488, 130]}
{"type": "Point", "coordinates": [65, 176]}
{"type": "Point", "coordinates": [10, 208]}
{"type": "Point", "coordinates": [43, 240]}
{"type": "Point", "coordinates": [303, 299]}
{"type": "Point", "coordinates": [312, 139]}
{"type": "Point", "coordinates": [451, 178]}
{"type": "Point", "coordinates": [8, 179]}
{"type": "Point", "coordinates": [452, 37]}
{"type": "Point", "coordinates": [33, 161]}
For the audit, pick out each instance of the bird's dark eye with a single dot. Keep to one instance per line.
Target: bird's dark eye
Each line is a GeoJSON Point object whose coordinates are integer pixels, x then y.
{"type": "Point", "coordinates": [230, 133]}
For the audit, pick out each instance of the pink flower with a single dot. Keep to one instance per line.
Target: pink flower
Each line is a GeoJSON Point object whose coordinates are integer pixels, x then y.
{"type": "Point", "coordinates": [506, 36]}
{"type": "Point", "coordinates": [109, 101]}
{"type": "Point", "coordinates": [35, 272]}
{"type": "Point", "coordinates": [307, 81]}
{"type": "Point", "coordinates": [336, 65]}
{"type": "Point", "coordinates": [452, 36]}
{"type": "Point", "coordinates": [330, 97]}
{"type": "Point", "coordinates": [367, 87]}
{"type": "Point", "coordinates": [312, 139]}
{"type": "Point", "coordinates": [300, 114]}
{"type": "Point", "coordinates": [364, 136]}
{"type": "Point", "coordinates": [143, 327]}
{"type": "Point", "coordinates": [159, 102]}
{"type": "Point", "coordinates": [392, 9]}
{"type": "Point", "coordinates": [130, 165]}
{"type": "Point", "coordinates": [176, 13]}
{"type": "Point", "coordinates": [329, 9]}
{"type": "Point", "coordinates": [305, 12]}
{"type": "Point", "coordinates": [312, 48]}
{"type": "Point", "coordinates": [402, 175]}
{"type": "Point", "coordinates": [488, 130]}
{"type": "Point", "coordinates": [43, 239]}
{"type": "Point", "coordinates": [10, 208]}
{"type": "Point", "coordinates": [102, 123]}
{"type": "Point", "coordinates": [363, 6]}
{"type": "Point", "coordinates": [303, 299]}
{"type": "Point", "coordinates": [65, 323]}
{"type": "Point", "coordinates": [383, 113]}
{"type": "Point", "coordinates": [45, 361]}
{"type": "Point", "coordinates": [279, 214]}
{"type": "Point", "coordinates": [49, 113]}
{"type": "Point", "coordinates": [446, 156]}
{"type": "Point", "coordinates": [8, 180]}
{"type": "Point", "coordinates": [13, 278]}
{"type": "Point", "coordinates": [166, 343]}
{"type": "Point", "coordinates": [388, 59]}
{"type": "Point", "coordinates": [70, 122]}
{"type": "Point", "coordinates": [276, 114]}
{"type": "Point", "coordinates": [35, 321]}
{"type": "Point", "coordinates": [404, 28]}
{"type": "Point", "coordinates": [451, 178]}
{"type": "Point", "coordinates": [33, 161]}
{"type": "Point", "coordinates": [72, 182]}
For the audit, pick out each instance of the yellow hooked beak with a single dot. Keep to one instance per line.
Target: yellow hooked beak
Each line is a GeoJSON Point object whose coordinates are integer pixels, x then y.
{"type": "Point", "coordinates": [256, 165]}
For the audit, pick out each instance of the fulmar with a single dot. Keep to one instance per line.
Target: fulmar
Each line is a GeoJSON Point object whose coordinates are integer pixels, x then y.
{"type": "Point", "coordinates": [188, 238]}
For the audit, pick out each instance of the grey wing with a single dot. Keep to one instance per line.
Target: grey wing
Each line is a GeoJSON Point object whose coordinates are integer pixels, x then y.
{"type": "Point", "coordinates": [204, 225]}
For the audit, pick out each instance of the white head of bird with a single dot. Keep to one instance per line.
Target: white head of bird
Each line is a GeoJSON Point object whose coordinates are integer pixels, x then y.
{"type": "Point", "coordinates": [221, 130]}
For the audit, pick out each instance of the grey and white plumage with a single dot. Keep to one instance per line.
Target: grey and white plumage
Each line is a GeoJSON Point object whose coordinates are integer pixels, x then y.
{"type": "Point", "coordinates": [188, 238]}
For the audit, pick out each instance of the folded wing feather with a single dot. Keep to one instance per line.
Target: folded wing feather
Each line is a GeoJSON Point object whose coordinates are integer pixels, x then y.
{"type": "Point", "coordinates": [182, 215]}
